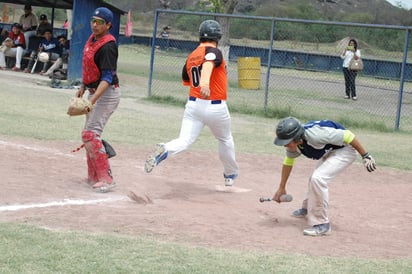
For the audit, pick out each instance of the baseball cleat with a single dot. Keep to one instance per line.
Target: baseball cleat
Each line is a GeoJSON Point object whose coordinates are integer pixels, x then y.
{"type": "Point", "coordinates": [157, 156]}
{"type": "Point", "coordinates": [229, 179]}
{"type": "Point", "coordinates": [300, 213]}
{"type": "Point", "coordinates": [103, 187]}
{"type": "Point", "coordinates": [229, 182]}
{"type": "Point", "coordinates": [318, 230]}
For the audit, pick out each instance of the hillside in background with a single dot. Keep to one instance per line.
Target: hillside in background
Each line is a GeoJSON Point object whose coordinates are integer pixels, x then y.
{"type": "Point", "coordinates": [360, 11]}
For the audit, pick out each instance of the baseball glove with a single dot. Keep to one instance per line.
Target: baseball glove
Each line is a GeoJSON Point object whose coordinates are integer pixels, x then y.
{"type": "Point", "coordinates": [79, 106]}
{"type": "Point", "coordinates": [7, 43]}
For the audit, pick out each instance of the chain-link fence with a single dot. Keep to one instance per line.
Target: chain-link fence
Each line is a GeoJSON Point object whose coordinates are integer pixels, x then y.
{"type": "Point", "coordinates": [305, 77]}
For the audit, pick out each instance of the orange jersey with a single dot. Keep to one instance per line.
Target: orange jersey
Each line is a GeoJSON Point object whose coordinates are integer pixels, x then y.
{"type": "Point", "coordinates": [192, 70]}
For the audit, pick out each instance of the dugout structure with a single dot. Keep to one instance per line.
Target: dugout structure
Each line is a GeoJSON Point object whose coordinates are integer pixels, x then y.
{"type": "Point", "coordinates": [80, 25]}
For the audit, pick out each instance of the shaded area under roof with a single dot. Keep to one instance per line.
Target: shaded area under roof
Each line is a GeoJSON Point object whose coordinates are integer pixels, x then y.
{"type": "Point", "coordinates": [59, 4]}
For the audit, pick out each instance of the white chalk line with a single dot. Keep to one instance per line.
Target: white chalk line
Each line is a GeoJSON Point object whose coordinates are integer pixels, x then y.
{"type": "Point", "coordinates": [37, 149]}
{"type": "Point", "coordinates": [64, 202]}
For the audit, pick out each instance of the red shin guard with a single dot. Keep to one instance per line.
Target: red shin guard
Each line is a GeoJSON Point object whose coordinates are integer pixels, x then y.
{"type": "Point", "coordinates": [91, 170]}
{"type": "Point", "coordinates": [97, 160]}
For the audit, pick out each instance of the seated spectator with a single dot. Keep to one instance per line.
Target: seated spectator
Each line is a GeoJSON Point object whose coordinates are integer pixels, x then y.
{"type": "Point", "coordinates": [48, 44]}
{"type": "Point", "coordinates": [43, 25]}
{"type": "Point", "coordinates": [17, 50]}
{"type": "Point", "coordinates": [4, 33]}
{"type": "Point", "coordinates": [28, 21]}
{"type": "Point", "coordinates": [63, 59]}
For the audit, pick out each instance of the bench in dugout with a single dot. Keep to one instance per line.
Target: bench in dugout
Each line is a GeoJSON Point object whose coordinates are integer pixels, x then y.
{"type": "Point", "coordinates": [33, 45]}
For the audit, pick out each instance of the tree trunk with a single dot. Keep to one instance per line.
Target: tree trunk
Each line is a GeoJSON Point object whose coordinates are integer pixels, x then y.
{"type": "Point", "coordinates": [229, 7]}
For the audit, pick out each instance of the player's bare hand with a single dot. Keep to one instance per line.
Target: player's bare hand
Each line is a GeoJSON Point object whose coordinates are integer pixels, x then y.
{"type": "Point", "coordinates": [80, 92]}
{"type": "Point", "coordinates": [205, 92]}
{"type": "Point", "coordinates": [278, 194]}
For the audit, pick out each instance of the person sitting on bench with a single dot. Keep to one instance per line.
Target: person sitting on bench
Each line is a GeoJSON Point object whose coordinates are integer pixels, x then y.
{"type": "Point", "coordinates": [16, 50]}
{"type": "Point", "coordinates": [49, 45]}
{"type": "Point", "coordinates": [62, 61]}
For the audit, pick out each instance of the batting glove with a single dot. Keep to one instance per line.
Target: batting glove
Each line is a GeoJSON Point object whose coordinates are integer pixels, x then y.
{"type": "Point", "coordinates": [369, 162]}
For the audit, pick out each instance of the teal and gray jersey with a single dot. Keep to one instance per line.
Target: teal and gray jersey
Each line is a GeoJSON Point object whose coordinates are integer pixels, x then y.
{"type": "Point", "coordinates": [320, 137]}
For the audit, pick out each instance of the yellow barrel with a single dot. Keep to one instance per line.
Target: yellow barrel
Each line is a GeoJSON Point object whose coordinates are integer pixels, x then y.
{"type": "Point", "coordinates": [248, 69]}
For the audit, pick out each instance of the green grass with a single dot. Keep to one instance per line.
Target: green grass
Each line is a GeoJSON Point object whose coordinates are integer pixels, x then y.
{"type": "Point", "coordinates": [308, 95]}
{"type": "Point", "coordinates": [39, 112]}
{"type": "Point", "coordinates": [26, 249]}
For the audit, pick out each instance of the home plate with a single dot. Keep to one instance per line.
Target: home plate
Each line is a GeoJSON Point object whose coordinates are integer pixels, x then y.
{"type": "Point", "coordinates": [231, 189]}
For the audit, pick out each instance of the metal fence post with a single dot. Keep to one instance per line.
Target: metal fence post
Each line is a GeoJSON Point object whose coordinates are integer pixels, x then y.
{"type": "Point", "coordinates": [402, 80]}
{"type": "Point", "coordinates": [149, 90]}
{"type": "Point", "coordinates": [272, 38]}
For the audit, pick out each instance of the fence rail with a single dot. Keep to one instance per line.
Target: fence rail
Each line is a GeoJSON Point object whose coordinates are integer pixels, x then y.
{"type": "Point", "coordinates": [301, 81]}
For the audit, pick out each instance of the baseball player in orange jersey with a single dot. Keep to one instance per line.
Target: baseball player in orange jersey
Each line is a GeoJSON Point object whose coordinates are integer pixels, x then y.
{"type": "Point", "coordinates": [205, 73]}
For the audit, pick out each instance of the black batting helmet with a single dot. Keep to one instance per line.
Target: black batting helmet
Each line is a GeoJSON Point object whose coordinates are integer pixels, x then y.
{"type": "Point", "coordinates": [211, 30]}
{"type": "Point", "coordinates": [288, 129]}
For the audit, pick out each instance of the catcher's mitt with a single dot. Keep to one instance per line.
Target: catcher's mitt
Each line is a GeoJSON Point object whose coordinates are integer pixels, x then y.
{"type": "Point", "coordinates": [7, 43]}
{"type": "Point", "coordinates": [79, 106]}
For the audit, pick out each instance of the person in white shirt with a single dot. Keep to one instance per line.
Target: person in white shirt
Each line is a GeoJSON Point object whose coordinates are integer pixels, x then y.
{"type": "Point", "coordinates": [351, 51]}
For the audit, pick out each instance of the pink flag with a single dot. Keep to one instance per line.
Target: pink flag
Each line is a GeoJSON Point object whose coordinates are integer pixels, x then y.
{"type": "Point", "coordinates": [129, 25]}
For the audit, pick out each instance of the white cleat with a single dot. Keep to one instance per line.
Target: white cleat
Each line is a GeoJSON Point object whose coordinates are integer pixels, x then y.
{"type": "Point", "coordinates": [155, 158]}
{"type": "Point", "coordinates": [318, 230]}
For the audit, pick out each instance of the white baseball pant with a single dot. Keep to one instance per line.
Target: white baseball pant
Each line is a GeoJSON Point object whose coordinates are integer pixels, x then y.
{"type": "Point", "coordinates": [12, 52]}
{"type": "Point", "coordinates": [328, 167]}
{"type": "Point", "coordinates": [199, 113]}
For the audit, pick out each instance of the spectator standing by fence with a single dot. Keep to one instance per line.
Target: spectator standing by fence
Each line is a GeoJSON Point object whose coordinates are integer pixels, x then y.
{"type": "Point", "coordinates": [351, 51]}
{"type": "Point", "coordinates": [165, 33]}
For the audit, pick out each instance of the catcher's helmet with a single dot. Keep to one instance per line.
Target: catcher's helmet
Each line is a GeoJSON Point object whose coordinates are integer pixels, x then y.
{"type": "Point", "coordinates": [43, 57]}
{"type": "Point", "coordinates": [210, 29]}
{"type": "Point", "coordinates": [288, 129]}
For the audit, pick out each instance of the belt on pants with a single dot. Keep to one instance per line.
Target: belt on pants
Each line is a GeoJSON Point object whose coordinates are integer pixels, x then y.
{"type": "Point", "coordinates": [93, 90]}
{"type": "Point", "coordinates": [213, 102]}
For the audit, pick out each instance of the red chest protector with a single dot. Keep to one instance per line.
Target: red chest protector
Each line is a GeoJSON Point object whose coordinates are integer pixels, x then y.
{"type": "Point", "coordinates": [91, 72]}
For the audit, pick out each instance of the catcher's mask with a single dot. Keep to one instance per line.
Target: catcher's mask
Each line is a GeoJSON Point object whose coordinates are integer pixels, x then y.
{"type": "Point", "coordinates": [211, 30]}
{"type": "Point", "coordinates": [288, 130]}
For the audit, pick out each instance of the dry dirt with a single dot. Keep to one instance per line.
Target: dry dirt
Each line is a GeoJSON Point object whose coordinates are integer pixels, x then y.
{"type": "Point", "coordinates": [42, 185]}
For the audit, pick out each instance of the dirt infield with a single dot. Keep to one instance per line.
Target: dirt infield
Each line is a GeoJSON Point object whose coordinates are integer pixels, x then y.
{"type": "Point", "coordinates": [41, 183]}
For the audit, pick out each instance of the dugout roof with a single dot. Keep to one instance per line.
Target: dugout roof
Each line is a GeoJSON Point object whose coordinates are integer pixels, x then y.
{"type": "Point", "coordinates": [59, 4]}
{"type": "Point", "coordinates": [80, 25]}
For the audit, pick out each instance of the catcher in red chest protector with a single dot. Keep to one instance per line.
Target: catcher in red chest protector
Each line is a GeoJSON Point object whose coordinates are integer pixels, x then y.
{"type": "Point", "coordinates": [101, 81]}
